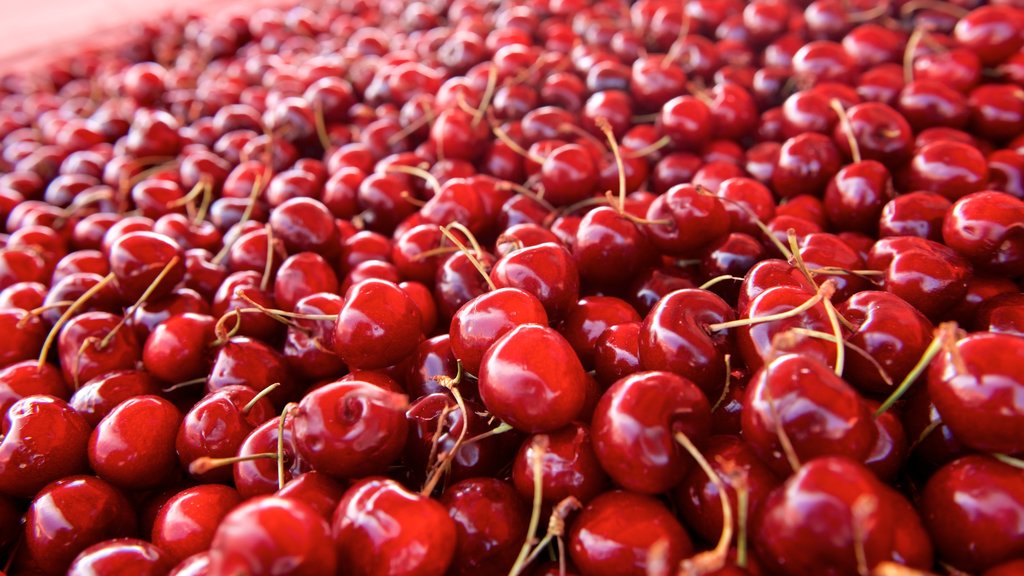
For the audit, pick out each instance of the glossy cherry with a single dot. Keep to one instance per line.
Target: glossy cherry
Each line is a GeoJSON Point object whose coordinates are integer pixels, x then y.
{"type": "Point", "coordinates": [133, 446]}
{"type": "Point", "coordinates": [43, 440]}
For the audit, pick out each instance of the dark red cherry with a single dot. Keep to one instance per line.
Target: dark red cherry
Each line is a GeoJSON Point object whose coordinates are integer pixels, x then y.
{"type": "Point", "coordinates": [856, 196]}
{"type": "Point", "coordinates": [484, 319]}
{"type": "Point", "coordinates": [133, 446]}
{"type": "Point", "coordinates": [268, 532]}
{"type": "Point", "coordinates": [248, 362]}
{"type": "Point", "coordinates": [381, 528]}
{"type": "Point", "coordinates": [569, 466]}
{"type": "Point", "coordinates": [138, 258]}
{"type": "Point", "coordinates": [378, 325]}
{"type": "Point", "coordinates": [952, 169]}
{"type": "Point", "coordinates": [97, 397]}
{"type": "Point", "coordinates": [609, 248]}
{"type": "Point", "coordinates": [259, 476]}
{"type": "Point", "coordinates": [186, 523]}
{"type": "Point", "coordinates": [617, 532]}
{"type": "Point", "coordinates": [928, 275]}
{"type": "Point", "coordinates": [797, 401]}
{"type": "Point", "coordinates": [985, 227]}
{"type": "Point", "coordinates": [531, 379]}
{"type": "Point", "coordinates": [806, 164]}
{"type": "Point", "coordinates": [26, 378]}
{"type": "Point", "coordinates": [685, 219]}
{"type": "Point", "coordinates": [647, 458]}
{"type": "Point", "coordinates": [119, 556]}
{"type": "Point", "coordinates": [350, 429]}
{"type": "Point", "coordinates": [834, 515]}
{"type": "Point", "coordinates": [178, 349]}
{"type": "Point", "coordinates": [972, 385]}
{"type": "Point", "coordinates": [969, 507]}
{"type": "Point", "coordinates": [589, 318]}
{"type": "Point", "coordinates": [72, 514]}
{"type": "Point", "coordinates": [546, 271]}
{"type": "Point", "coordinates": [482, 543]}
{"type": "Point", "coordinates": [617, 353]}
{"type": "Point", "coordinates": [991, 32]}
{"type": "Point", "coordinates": [918, 214]}
{"type": "Point", "coordinates": [43, 440]}
{"type": "Point", "coordinates": [25, 336]}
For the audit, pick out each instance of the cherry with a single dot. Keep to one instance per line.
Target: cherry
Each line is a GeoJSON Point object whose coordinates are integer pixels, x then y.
{"type": "Point", "coordinates": [617, 532]}
{"type": "Point", "coordinates": [138, 258]}
{"type": "Point", "coordinates": [251, 363]}
{"type": "Point", "coordinates": [437, 442]}
{"type": "Point", "coordinates": [259, 475]}
{"type": "Point", "coordinates": [481, 543]}
{"type": "Point", "coordinates": [866, 522]}
{"type": "Point", "coordinates": [797, 409]}
{"type": "Point", "coordinates": [567, 175]}
{"type": "Point", "coordinates": [684, 219]}
{"type": "Point", "coordinates": [531, 379]}
{"type": "Point", "coordinates": [133, 446]}
{"type": "Point", "coordinates": [568, 466]}
{"type": "Point", "coordinates": [665, 403]}
{"type": "Point", "coordinates": [267, 532]}
{"type": "Point", "coordinates": [177, 349]}
{"type": "Point", "coordinates": [301, 275]}
{"type": "Point", "coordinates": [609, 248]}
{"type": "Point", "coordinates": [121, 555]}
{"type": "Point", "coordinates": [856, 195]}
{"type": "Point", "coordinates": [380, 527]}
{"type": "Point", "coordinates": [952, 169]}
{"type": "Point", "coordinates": [186, 523]}
{"type": "Point", "coordinates": [969, 507]}
{"type": "Point", "coordinates": [918, 214]}
{"type": "Point", "coordinates": [488, 317]}
{"type": "Point", "coordinates": [806, 164]}
{"type": "Point", "coordinates": [317, 490]}
{"type": "Point", "coordinates": [71, 514]}
{"type": "Point", "coordinates": [350, 429]}
{"type": "Point", "coordinates": [989, 32]}
{"type": "Point", "coordinates": [97, 397]}
{"type": "Point", "coordinates": [928, 275]}
{"type": "Point", "coordinates": [971, 384]}
{"type": "Point", "coordinates": [589, 318]}
{"type": "Point", "coordinates": [216, 426]}
{"type": "Point", "coordinates": [378, 325]}
{"type": "Point", "coordinates": [546, 271]}
{"type": "Point", "coordinates": [985, 227]}
{"type": "Point", "coordinates": [43, 440]}
{"type": "Point", "coordinates": [27, 378]}
{"type": "Point", "coordinates": [617, 353]}
{"type": "Point", "coordinates": [757, 341]}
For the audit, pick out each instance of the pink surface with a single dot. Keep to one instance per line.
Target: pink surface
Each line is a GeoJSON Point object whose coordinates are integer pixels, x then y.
{"type": "Point", "coordinates": [34, 31]}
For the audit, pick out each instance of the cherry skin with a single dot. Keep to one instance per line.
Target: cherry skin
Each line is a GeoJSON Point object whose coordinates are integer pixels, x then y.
{"type": "Point", "coordinates": [952, 169]}
{"type": "Point", "coordinates": [804, 401]}
{"type": "Point", "coordinates": [757, 342]}
{"type": "Point", "coordinates": [317, 490]}
{"type": "Point", "coordinates": [121, 556]}
{"type": "Point", "coordinates": [970, 507]}
{"type": "Point", "coordinates": [589, 318]}
{"type": "Point", "coordinates": [483, 544]}
{"type": "Point", "coordinates": [350, 429]}
{"type": "Point", "coordinates": [674, 338]}
{"type": "Point", "coordinates": [251, 363]}
{"type": "Point", "coordinates": [531, 379]}
{"type": "Point", "coordinates": [186, 523]}
{"type": "Point", "coordinates": [614, 535]}
{"type": "Point", "coordinates": [133, 446]}
{"type": "Point", "coordinates": [381, 528]}
{"type": "Point", "coordinates": [137, 258]}
{"type": "Point", "coordinates": [488, 317]}
{"type": "Point", "coordinates": [216, 426]}
{"type": "Point", "coordinates": [985, 227]}
{"type": "Point", "coordinates": [918, 214]}
{"type": "Point", "coordinates": [546, 271]}
{"type": "Point", "coordinates": [973, 384]}
{"type": "Point", "coordinates": [378, 325]}
{"type": "Point", "coordinates": [267, 532]}
{"type": "Point", "coordinates": [928, 275]}
{"type": "Point", "coordinates": [806, 164]}
{"type": "Point", "coordinates": [72, 514]}
{"type": "Point", "coordinates": [436, 424]}
{"type": "Point", "coordinates": [259, 476]}
{"type": "Point", "coordinates": [43, 440]}
{"type": "Point", "coordinates": [178, 348]}
{"type": "Point", "coordinates": [685, 219]}
{"type": "Point", "coordinates": [827, 511]}
{"type": "Point", "coordinates": [855, 196]}
{"type": "Point", "coordinates": [610, 249]}
{"type": "Point", "coordinates": [617, 353]}
{"type": "Point", "coordinates": [664, 403]}
{"type": "Point", "coordinates": [569, 466]}
{"type": "Point", "coordinates": [25, 379]}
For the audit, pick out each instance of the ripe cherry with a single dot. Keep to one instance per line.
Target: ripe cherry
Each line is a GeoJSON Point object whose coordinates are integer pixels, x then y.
{"type": "Point", "coordinates": [378, 325]}
{"type": "Point", "coordinates": [121, 555]}
{"type": "Point", "coordinates": [481, 543]}
{"type": "Point", "coordinates": [186, 523]}
{"type": "Point", "coordinates": [43, 440]}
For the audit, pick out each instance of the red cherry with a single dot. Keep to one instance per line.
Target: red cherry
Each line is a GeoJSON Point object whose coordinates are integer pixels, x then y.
{"type": "Point", "coordinates": [969, 507]}
{"type": "Point", "coordinates": [133, 446]}
{"type": "Point", "coordinates": [43, 440]}
{"type": "Point", "coordinates": [483, 544]}
{"type": "Point", "coordinates": [251, 363]}
{"type": "Point", "coordinates": [138, 258]}
{"type": "Point", "coordinates": [26, 379]}
{"type": "Point", "coordinates": [615, 534]}
{"type": "Point", "coordinates": [569, 466]}
{"type": "Point", "coordinates": [350, 429]}
{"type": "Point", "coordinates": [378, 325]}
{"type": "Point", "coordinates": [647, 458]}
{"type": "Point", "coordinates": [121, 555]}
{"type": "Point", "coordinates": [685, 219]}
{"type": "Point", "coordinates": [178, 348]}
{"type": "Point", "coordinates": [97, 397]}
{"type": "Point", "coordinates": [267, 532]}
{"type": "Point", "coordinates": [531, 379]}
{"type": "Point", "coordinates": [985, 227]}
{"type": "Point", "coordinates": [381, 528]}
{"type": "Point", "coordinates": [488, 317]}
{"type": "Point", "coordinates": [589, 318]}
{"type": "Point", "coordinates": [71, 514]}
{"type": "Point", "coordinates": [186, 523]}
{"type": "Point", "coordinates": [546, 271]}
{"type": "Point", "coordinates": [952, 169]}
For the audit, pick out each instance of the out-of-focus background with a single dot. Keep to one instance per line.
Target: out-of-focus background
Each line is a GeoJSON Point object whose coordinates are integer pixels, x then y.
{"type": "Point", "coordinates": [34, 31]}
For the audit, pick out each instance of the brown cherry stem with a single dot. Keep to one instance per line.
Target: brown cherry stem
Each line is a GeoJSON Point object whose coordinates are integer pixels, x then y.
{"type": "Point", "coordinates": [38, 311]}
{"type": "Point", "coordinates": [257, 189]}
{"type": "Point", "coordinates": [417, 172]}
{"type": "Point", "coordinates": [613, 145]}
{"type": "Point", "coordinates": [556, 525]}
{"type": "Point", "coordinates": [649, 149]}
{"type": "Point", "coordinates": [204, 464]}
{"type": "Point", "coordinates": [473, 260]}
{"type": "Point", "coordinates": [945, 334]}
{"type": "Point", "coordinates": [844, 122]}
{"type": "Point", "coordinates": [321, 125]}
{"type": "Point", "coordinates": [728, 382]}
{"type": "Point", "coordinates": [280, 443]}
{"type": "Point", "coordinates": [268, 267]}
{"type": "Point", "coordinates": [185, 384]}
{"type": "Point", "coordinates": [444, 463]}
{"type": "Point", "coordinates": [715, 558]}
{"type": "Point", "coordinates": [142, 300]}
{"type": "Point", "coordinates": [719, 279]}
{"type": "Point", "coordinates": [825, 291]}
{"type": "Point", "coordinates": [908, 53]}
{"type": "Point", "coordinates": [52, 335]}
{"type": "Point", "coordinates": [485, 102]}
{"type": "Point", "coordinates": [539, 448]}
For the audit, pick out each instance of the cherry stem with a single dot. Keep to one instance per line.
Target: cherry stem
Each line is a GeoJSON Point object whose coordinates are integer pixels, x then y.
{"type": "Point", "coordinates": [798, 258]}
{"type": "Point", "coordinates": [944, 334]}
{"type": "Point", "coordinates": [259, 396]}
{"type": "Point", "coordinates": [539, 447]}
{"type": "Point", "coordinates": [650, 148]}
{"type": "Point", "coordinates": [837, 331]}
{"type": "Point", "coordinates": [407, 130]}
{"type": "Point", "coordinates": [862, 352]}
{"type": "Point", "coordinates": [780, 433]}
{"type": "Point", "coordinates": [644, 118]}
{"type": "Point", "coordinates": [513, 145]}
{"type": "Point", "coordinates": [754, 218]}
{"type": "Point", "coordinates": [142, 300]}
{"type": "Point", "coordinates": [870, 14]}
{"type": "Point", "coordinates": [485, 102]}
{"type": "Point", "coordinates": [718, 279]}
{"type": "Point", "coordinates": [257, 189]}
{"type": "Point", "coordinates": [727, 359]}
{"type": "Point", "coordinates": [37, 311]}
{"type": "Point", "coordinates": [613, 145]}
{"type": "Point", "coordinates": [321, 125]}
{"type": "Point", "coordinates": [445, 461]}
{"type": "Point", "coordinates": [524, 191]}
{"type": "Point", "coordinates": [863, 507]}
{"type": "Point", "coordinates": [204, 206]}
{"type": "Point", "coordinates": [280, 443]}
{"type": "Point", "coordinates": [184, 384]}
{"type": "Point", "coordinates": [944, 7]}
{"type": "Point", "coordinates": [825, 291]}
{"type": "Point", "coordinates": [743, 503]}
{"type": "Point", "coordinates": [1010, 460]}
{"type": "Point", "coordinates": [52, 335]}
{"type": "Point", "coordinates": [418, 172]}
{"type": "Point", "coordinates": [713, 559]}
{"type": "Point", "coordinates": [674, 51]}
{"type": "Point", "coordinates": [556, 525]}
{"type": "Point", "coordinates": [908, 53]}
{"type": "Point", "coordinates": [269, 266]}
{"type": "Point", "coordinates": [204, 464]}
{"type": "Point", "coordinates": [499, 429]}
{"type": "Point", "coordinates": [844, 121]}
{"type": "Point", "coordinates": [469, 255]}
{"type": "Point", "coordinates": [889, 568]}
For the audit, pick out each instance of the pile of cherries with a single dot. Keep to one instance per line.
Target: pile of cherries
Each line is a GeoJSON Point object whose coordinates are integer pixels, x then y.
{"type": "Point", "coordinates": [473, 287]}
